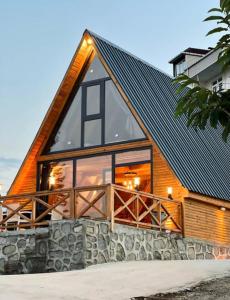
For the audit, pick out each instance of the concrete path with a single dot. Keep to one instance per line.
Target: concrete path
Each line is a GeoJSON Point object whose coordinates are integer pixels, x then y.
{"type": "Point", "coordinates": [114, 281]}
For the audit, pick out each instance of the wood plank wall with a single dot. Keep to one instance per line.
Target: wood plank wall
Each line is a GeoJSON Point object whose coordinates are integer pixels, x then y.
{"type": "Point", "coordinates": [203, 220]}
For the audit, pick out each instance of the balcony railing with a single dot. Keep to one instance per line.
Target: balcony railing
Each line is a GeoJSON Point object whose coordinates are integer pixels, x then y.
{"type": "Point", "coordinates": [110, 202]}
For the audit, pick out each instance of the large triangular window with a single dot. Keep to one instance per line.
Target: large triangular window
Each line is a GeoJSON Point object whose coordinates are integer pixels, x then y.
{"type": "Point", "coordinates": [97, 115]}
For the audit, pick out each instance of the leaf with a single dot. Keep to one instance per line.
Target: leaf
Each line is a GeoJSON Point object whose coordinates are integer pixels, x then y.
{"type": "Point", "coordinates": [215, 30]}
{"type": "Point", "coordinates": [213, 18]}
{"type": "Point", "coordinates": [214, 9]}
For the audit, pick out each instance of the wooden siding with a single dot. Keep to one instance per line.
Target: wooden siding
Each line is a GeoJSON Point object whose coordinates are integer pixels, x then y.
{"type": "Point", "coordinates": [203, 220]}
{"type": "Point", "coordinates": [163, 177]}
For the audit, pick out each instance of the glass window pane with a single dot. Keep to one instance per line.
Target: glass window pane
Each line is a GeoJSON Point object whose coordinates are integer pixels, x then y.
{"type": "Point", "coordinates": [57, 175]}
{"type": "Point", "coordinates": [134, 177]}
{"type": "Point", "coordinates": [132, 156]}
{"type": "Point", "coordinates": [68, 135]}
{"type": "Point", "coordinates": [95, 71]}
{"type": "Point", "coordinates": [92, 134]}
{"type": "Point", "coordinates": [120, 124]}
{"type": "Point", "coordinates": [94, 171]}
{"type": "Point", "coordinates": [93, 100]}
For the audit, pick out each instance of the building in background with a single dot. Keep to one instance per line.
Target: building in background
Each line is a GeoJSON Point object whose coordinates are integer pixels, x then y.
{"type": "Point", "coordinates": [202, 65]}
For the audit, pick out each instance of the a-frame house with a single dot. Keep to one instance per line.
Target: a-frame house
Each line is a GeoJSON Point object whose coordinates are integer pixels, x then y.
{"type": "Point", "coordinates": [112, 122]}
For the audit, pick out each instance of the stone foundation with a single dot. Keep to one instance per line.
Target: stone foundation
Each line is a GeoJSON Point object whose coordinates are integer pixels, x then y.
{"type": "Point", "coordinates": [71, 245]}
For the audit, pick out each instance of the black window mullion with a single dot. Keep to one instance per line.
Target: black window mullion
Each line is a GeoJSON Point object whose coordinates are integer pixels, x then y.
{"type": "Point", "coordinates": [83, 115]}
{"type": "Point", "coordinates": [102, 108]}
{"type": "Point", "coordinates": [74, 172]}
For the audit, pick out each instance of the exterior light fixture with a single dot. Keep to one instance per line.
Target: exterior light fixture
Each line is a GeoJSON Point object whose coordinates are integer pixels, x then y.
{"type": "Point", "coordinates": [223, 209]}
{"type": "Point", "coordinates": [89, 41]}
{"type": "Point", "coordinates": [169, 192]}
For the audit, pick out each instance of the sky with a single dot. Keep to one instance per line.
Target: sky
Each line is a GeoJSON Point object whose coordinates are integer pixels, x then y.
{"type": "Point", "coordinates": [38, 39]}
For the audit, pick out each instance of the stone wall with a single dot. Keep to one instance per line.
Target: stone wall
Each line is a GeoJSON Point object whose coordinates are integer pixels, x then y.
{"type": "Point", "coordinates": [76, 244]}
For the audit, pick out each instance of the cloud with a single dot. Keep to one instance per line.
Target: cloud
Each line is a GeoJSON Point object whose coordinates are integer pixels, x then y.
{"type": "Point", "coordinates": [8, 170]}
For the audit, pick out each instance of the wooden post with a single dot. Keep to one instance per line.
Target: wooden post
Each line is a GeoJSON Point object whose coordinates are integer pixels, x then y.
{"type": "Point", "coordinates": [33, 211]}
{"type": "Point", "coordinates": [111, 201]}
{"type": "Point", "coordinates": [72, 204]}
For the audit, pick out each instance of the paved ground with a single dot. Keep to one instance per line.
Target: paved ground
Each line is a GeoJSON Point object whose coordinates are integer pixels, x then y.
{"type": "Point", "coordinates": [112, 281]}
{"type": "Point", "coordinates": [218, 289]}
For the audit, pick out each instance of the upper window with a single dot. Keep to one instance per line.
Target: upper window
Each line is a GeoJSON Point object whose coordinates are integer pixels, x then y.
{"type": "Point", "coordinates": [180, 67]}
{"type": "Point", "coordinates": [95, 70]}
{"type": "Point", "coordinates": [98, 115]}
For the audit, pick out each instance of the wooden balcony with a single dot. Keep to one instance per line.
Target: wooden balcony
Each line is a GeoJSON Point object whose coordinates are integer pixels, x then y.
{"type": "Point", "coordinates": [108, 202]}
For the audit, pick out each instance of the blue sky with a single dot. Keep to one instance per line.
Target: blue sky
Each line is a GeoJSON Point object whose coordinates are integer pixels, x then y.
{"type": "Point", "coordinates": [38, 39]}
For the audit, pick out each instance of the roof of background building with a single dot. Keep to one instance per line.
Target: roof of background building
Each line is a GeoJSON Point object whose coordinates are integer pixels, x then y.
{"type": "Point", "coordinates": [201, 160]}
{"type": "Point", "coordinates": [192, 51]}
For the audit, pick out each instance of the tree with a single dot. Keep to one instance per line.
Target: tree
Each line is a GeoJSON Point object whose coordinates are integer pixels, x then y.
{"type": "Point", "coordinates": [199, 104]}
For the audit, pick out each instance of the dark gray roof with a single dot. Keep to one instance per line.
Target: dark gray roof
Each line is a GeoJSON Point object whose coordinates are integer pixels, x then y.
{"type": "Point", "coordinates": [201, 160]}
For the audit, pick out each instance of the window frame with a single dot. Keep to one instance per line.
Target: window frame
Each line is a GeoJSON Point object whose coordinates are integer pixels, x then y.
{"type": "Point", "coordinates": [85, 117]}
{"type": "Point", "coordinates": [113, 164]}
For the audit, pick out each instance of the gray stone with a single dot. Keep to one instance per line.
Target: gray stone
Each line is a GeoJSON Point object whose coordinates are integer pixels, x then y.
{"type": "Point", "coordinates": [114, 236]}
{"type": "Point", "coordinates": [77, 266]}
{"type": "Point", "coordinates": [131, 256]}
{"type": "Point", "coordinates": [89, 245]}
{"type": "Point", "coordinates": [200, 256]}
{"type": "Point", "coordinates": [2, 241]}
{"type": "Point", "coordinates": [148, 247]}
{"type": "Point", "coordinates": [66, 261]}
{"type": "Point", "coordinates": [101, 258]}
{"type": "Point", "coordinates": [78, 228]}
{"type": "Point", "coordinates": [191, 253]}
{"type": "Point", "coordinates": [42, 248]}
{"type": "Point", "coordinates": [63, 242]}
{"type": "Point", "coordinates": [52, 245]}
{"type": "Point", "coordinates": [57, 234]}
{"type": "Point", "coordinates": [88, 254]}
{"type": "Point", "coordinates": [181, 245]}
{"type": "Point", "coordinates": [14, 256]}
{"type": "Point", "coordinates": [2, 265]}
{"type": "Point", "coordinates": [167, 255]}
{"type": "Point", "coordinates": [10, 249]}
{"type": "Point", "coordinates": [58, 265]}
{"type": "Point", "coordinates": [50, 263]}
{"type": "Point", "coordinates": [120, 252]}
{"type": "Point", "coordinates": [129, 242]}
{"type": "Point", "coordinates": [71, 238]}
{"type": "Point", "coordinates": [150, 257]}
{"type": "Point", "coordinates": [104, 228]}
{"type": "Point", "coordinates": [71, 248]}
{"type": "Point", "coordinates": [209, 256]}
{"type": "Point", "coordinates": [21, 243]}
{"type": "Point", "coordinates": [95, 253]}
{"type": "Point", "coordinates": [101, 242]}
{"type": "Point", "coordinates": [92, 239]}
{"type": "Point", "coordinates": [159, 244]}
{"type": "Point", "coordinates": [112, 245]}
{"type": "Point", "coordinates": [66, 228]}
{"type": "Point", "coordinates": [77, 257]}
{"type": "Point", "coordinates": [13, 238]}
{"type": "Point", "coordinates": [143, 254]}
{"type": "Point", "coordinates": [156, 255]}
{"type": "Point", "coordinates": [198, 247]}
{"type": "Point", "coordinates": [79, 246]}
{"type": "Point", "coordinates": [90, 230]}
{"type": "Point", "coordinates": [137, 246]}
{"type": "Point", "coordinates": [149, 237]}
{"type": "Point", "coordinates": [56, 254]}
{"type": "Point", "coordinates": [67, 254]}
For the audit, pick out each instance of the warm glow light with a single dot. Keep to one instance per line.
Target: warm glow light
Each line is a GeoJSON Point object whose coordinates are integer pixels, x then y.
{"type": "Point", "coordinates": [136, 181]}
{"type": "Point", "coordinates": [52, 180]}
{"type": "Point", "coordinates": [89, 41]}
{"type": "Point", "coordinates": [223, 208]}
{"type": "Point", "coordinates": [169, 190]}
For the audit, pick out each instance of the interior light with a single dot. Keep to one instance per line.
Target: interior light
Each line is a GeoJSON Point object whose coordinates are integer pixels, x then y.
{"type": "Point", "coordinates": [91, 71]}
{"type": "Point", "coordinates": [136, 181]}
{"type": "Point", "coordinates": [52, 180]}
{"type": "Point", "coordinates": [69, 142]}
{"type": "Point", "coordinates": [116, 135]}
{"type": "Point", "coordinates": [169, 192]}
{"type": "Point", "coordinates": [223, 208]}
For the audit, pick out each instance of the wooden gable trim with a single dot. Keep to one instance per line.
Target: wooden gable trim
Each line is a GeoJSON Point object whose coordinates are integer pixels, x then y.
{"type": "Point", "coordinates": [82, 53]}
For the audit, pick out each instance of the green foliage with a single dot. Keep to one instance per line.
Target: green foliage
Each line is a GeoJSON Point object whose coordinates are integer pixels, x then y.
{"type": "Point", "coordinates": [200, 105]}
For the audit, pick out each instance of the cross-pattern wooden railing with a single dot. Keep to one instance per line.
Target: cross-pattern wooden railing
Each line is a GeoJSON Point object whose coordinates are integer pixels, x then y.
{"type": "Point", "coordinates": [111, 202]}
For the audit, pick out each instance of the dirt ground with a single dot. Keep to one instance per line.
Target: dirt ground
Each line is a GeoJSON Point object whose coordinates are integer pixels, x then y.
{"type": "Point", "coordinates": [218, 289]}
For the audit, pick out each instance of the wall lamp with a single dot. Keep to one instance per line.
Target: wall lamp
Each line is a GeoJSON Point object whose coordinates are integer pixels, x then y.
{"type": "Point", "coordinates": [169, 192]}
{"type": "Point", "coordinates": [222, 208]}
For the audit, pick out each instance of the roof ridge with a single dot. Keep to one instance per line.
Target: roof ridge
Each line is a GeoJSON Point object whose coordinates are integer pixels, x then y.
{"type": "Point", "coordinates": [127, 52]}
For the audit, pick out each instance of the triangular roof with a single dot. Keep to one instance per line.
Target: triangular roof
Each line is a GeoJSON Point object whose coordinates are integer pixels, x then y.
{"type": "Point", "coordinates": [199, 159]}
